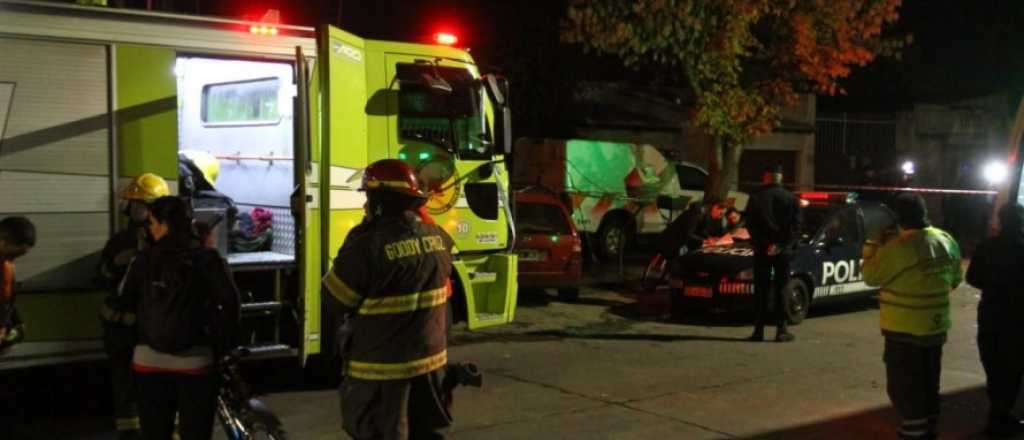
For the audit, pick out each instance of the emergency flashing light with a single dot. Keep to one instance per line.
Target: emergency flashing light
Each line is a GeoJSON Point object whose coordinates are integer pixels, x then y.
{"type": "Point", "coordinates": [262, 30]}
{"type": "Point", "coordinates": [815, 196]}
{"type": "Point", "coordinates": [446, 39]}
{"type": "Point", "coordinates": [908, 167]}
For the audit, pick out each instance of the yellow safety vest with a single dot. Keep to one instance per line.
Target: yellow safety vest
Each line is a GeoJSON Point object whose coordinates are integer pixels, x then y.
{"type": "Point", "coordinates": [916, 271]}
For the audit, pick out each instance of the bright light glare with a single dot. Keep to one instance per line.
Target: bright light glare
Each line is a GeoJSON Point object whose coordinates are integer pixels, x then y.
{"type": "Point", "coordinates": [908, 167]}
{"type": "Point", "coordinates": [446, 38]}
{"type": "Point", "coordinates": [995, 172]}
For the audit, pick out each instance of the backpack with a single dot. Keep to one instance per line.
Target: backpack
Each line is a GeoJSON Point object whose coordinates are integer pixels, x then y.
{"type": "Point", "coordinates": [175, 308]}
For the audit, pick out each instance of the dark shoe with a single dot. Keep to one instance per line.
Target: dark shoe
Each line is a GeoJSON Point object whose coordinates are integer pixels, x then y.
{"type": "Point", "coordinates": [784, 337]}
{"type": "Point", "coordinates": [757, 336]}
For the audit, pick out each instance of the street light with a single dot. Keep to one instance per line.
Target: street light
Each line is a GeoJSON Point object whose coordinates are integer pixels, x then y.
{"type": "Point", "coordinates": [995, 172]}
{"type": "Point", "coordinates": [908, 167]}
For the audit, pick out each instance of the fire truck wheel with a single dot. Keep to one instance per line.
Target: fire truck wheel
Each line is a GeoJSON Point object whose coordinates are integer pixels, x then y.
{"type": "Point", "coordinates": [797, 297]}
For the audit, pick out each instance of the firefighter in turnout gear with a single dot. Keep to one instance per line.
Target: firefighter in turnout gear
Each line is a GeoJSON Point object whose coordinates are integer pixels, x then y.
{"type": "Point", "coordinates": [916, 268]}
{"type": "Point", "coordinates": [391, 277]}
{"type": "Point", "coordinates": [119, 332]}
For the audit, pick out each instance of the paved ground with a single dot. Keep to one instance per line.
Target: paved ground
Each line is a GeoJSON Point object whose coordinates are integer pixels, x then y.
{"type": "Point", "coordinates": [611, 367]}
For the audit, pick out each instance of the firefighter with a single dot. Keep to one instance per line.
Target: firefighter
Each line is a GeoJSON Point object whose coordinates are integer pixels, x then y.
{"type": "Point", "coordinates": [916, 268]}
{"type": "Point", "coordinates": [17, 237]}
{"type": "Point", "coordinates": [996, 270]}
{"type": "Point", "coordinates": [773, 215]}
{"type": "Point", "coordinates": [118, 320]}
{"type": "Point", "coordinates": [391, 278]}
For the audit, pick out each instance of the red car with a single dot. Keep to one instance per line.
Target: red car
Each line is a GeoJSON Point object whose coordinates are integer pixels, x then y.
{"type": "Point", "coordinates": [549, 248]}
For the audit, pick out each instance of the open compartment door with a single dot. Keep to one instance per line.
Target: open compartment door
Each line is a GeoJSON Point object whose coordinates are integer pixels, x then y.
{"type": "Point", "coordinates": [305, 208]}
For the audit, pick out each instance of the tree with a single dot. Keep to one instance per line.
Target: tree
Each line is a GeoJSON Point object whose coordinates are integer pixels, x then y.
{"type": "Point", "coordinates": [743, 60]}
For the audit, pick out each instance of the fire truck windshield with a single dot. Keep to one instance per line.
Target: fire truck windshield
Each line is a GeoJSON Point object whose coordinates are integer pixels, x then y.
{"type": "Point", "coordinates": [443, 106]}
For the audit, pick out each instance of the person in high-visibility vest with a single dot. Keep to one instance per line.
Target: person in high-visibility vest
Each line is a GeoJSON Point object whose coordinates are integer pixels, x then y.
{"type": "Point", "coordinates": [916, 267]}
{"type": "Point", "coordinates": [391, 277]}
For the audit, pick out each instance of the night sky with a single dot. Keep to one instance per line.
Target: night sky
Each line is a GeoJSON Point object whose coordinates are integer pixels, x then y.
{"type": "Point", "coordinates": [961, 48]}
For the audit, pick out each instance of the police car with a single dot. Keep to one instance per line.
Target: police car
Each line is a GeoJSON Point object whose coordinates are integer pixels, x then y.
{"type": "Point", "coordinates": [826, 263]}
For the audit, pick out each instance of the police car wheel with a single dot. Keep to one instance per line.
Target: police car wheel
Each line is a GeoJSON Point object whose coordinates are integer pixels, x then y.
{"type": "Point", "coordinates": [797, 297]}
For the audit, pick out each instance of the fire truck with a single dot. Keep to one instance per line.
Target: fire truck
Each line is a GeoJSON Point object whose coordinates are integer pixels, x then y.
{"type": "Point", "coordinates": [91, 97]}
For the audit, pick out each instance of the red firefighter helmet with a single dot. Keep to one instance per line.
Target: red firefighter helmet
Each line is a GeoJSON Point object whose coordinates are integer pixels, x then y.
{"type": "Point", "coordinates": [391, 175]}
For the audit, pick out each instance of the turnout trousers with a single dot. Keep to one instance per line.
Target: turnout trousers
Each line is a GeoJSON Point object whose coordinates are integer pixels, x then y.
{"type": "Point", "coordinates": [119, 343]}
{"type": "Point", "coordinates": [912, 382]}
{"type": "Point", "coordinates": [395, 409]}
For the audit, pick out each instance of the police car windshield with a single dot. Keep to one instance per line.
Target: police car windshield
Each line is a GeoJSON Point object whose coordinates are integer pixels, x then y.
{"type": "Point", "coordinates": [813, 219]}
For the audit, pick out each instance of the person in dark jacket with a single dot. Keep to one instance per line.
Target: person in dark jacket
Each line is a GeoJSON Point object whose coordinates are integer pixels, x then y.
{"type": "Point", "coordinates": [17, 238]}
{"type": "Point", "coordinates": [997, 268]}
{"type": "Point", "coordinates": [187, 306]}
{"type": "Point", "coordinates": [391, 277]}
{"type": "Point", "coordinates": [773, 216]}
{"type": "Point", "coordinates": [681, 234]}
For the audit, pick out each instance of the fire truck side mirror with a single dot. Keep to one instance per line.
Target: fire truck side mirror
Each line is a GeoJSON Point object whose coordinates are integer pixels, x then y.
{"type": "Point", "coordinates": [498, 92]}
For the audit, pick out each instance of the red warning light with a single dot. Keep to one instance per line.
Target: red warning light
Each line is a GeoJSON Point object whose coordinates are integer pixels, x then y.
{"type": "Point", "coordinates": [445, 39]}
{"type": "Point", "coordinates": [262, 30]}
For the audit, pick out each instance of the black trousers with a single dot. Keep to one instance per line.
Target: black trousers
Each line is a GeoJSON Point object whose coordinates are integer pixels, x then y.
{"type": "Point", "coordinates": [119, 343]}
{"type": "Point", "coordinates": [1003, 360]}
{"type": "Point", "coordinates": [768, 285]}
{"type": "Point", "coordinates": [912, 381]}
{"type": "Point", "coordinates": [162, 396]}
{"type": "Point", "coordinates": [395, 409]}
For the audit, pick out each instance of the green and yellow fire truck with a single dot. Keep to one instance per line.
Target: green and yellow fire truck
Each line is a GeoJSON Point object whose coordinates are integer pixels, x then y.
{"type": "Point", "coordinates": [91, 97]}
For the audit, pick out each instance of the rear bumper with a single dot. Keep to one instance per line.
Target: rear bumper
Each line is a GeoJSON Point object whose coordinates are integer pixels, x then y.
{"type": "Point", "coordinates": [728, 294]}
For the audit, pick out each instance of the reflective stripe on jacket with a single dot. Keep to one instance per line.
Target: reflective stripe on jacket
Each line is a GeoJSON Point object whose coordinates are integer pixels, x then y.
{"type": "Point", "coordinates": [916, 271]}
{"type": "Point", "coordinates": [391, 277]}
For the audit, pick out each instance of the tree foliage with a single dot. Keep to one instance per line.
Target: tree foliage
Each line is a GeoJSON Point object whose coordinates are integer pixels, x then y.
{"type": "Point", "coordinates": [744, 60]}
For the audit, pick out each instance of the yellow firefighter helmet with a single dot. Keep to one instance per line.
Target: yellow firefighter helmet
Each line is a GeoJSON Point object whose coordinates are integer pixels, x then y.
{"type": "Point", "coordinates": [206, 162]}
{"type": "Point", "coordinates": [147, 188]}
